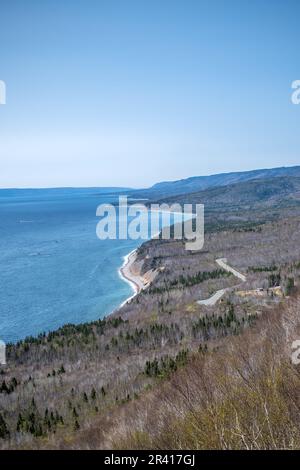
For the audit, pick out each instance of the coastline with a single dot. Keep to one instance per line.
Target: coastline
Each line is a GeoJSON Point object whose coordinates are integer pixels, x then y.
{"type": "Point", "coordinates": [130, 272]}
{"type": "Point", "coordinates": [135, 279]}
{"type": "Point", "coordinates": [127, 276]}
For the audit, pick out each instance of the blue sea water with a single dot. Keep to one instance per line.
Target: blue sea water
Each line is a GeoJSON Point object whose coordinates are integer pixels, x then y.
{"type": "Point", "coordinates": [53, 268]}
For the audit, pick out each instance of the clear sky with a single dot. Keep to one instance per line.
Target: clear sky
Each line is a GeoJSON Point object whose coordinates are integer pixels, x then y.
{"type": "Point", "coordinates": [129, 93]}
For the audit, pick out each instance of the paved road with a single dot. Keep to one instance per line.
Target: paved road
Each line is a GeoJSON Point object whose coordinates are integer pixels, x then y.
{"type": "Point", "coordinates": [213, 299]}
{"type": "Point", "coordinates": [222, 262]}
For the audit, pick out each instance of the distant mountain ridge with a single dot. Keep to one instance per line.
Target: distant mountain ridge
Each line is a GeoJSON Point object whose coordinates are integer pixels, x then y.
{"type": "Point", "coordinates": [200, 183]}
{"type": "Point", "coordinates": [252, 193]}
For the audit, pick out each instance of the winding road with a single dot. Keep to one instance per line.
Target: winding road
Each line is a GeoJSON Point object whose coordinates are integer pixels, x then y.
{"type": "Point", "coordinates": [222, 262]}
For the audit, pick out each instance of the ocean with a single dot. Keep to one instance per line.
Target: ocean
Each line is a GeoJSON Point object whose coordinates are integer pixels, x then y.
{"type": "Point", "coordinates": [54, 269]}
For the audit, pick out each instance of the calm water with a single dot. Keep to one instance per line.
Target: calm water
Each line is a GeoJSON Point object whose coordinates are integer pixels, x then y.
{"type": "Point", "coordinates": [54, 270]}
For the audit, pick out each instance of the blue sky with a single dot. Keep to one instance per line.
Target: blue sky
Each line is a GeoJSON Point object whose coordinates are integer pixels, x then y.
{"type": "Point", "coordinates": [129, 93]}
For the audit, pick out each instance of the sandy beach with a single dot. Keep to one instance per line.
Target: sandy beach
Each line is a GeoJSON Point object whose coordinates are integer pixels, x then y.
{"type": "Point", "coordinates": [130, 272]}
{"type": "Point", "coordinates": [131, 269]}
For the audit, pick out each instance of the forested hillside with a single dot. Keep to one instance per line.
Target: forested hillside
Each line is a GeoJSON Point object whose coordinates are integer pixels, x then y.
{"type": "Point", "coordinates": [200, 183]}
{"type": "Point", "coordinates": [215, 375]}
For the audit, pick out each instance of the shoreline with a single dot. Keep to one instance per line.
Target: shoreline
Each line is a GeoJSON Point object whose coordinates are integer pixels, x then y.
{"type": "Point", "coordinates": [125, 274]}
{"type": "Point", "coordinates": [136, 281]}
{"type": "Point", "coordinates": [130, 273]}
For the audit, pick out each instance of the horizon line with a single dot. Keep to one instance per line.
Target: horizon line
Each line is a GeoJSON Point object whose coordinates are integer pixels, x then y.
{"type": "Point", "coordinates": [14, 188]}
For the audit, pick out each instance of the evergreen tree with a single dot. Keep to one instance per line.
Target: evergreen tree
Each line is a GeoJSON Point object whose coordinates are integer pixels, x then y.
{"type": "Point", "coordinates": [93, 394]}
{"type": "Point", "coordinates": [4, 432]}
